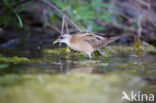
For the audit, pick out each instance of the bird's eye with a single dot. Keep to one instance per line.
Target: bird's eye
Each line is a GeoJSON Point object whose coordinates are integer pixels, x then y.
{"type": "Point", "coordinates": [61, 37]}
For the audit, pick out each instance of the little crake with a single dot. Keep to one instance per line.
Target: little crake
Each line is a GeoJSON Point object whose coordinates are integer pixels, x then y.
{"type": "Point", "coordinates": [86, 42]}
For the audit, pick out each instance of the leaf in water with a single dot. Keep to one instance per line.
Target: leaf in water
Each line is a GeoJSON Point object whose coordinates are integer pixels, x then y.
{"type": "Point", "coordinates": [3, 66]}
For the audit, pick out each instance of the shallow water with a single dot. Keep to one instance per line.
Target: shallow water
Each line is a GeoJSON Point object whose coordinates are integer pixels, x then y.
{"type": "Point", "coordinates": [124, 67]}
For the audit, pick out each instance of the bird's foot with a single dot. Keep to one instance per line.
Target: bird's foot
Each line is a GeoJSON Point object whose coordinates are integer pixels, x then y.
{"type": "Point", "coordinates": [99, 51]}
{"type": "Point", "coordinates": [90, 55]}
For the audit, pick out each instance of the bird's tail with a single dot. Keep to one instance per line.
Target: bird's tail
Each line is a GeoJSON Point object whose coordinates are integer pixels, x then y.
{"type": "Point", "coordinates": [109, 39]}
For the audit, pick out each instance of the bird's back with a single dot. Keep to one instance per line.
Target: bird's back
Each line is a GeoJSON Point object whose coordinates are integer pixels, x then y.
{"type": "Point", "coordinates": [95, 40]}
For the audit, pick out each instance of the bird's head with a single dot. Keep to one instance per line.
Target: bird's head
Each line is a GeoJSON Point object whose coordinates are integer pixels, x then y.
{"type": "Point", "coordinates": [63, 39]}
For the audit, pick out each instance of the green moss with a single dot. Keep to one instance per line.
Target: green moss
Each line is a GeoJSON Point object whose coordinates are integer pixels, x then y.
{"type": "Point", "coordinates": [52, 55]}
{"type": "Point", "coordinates": [14, 60]}
{"type": "Point", "coordinates": [128, 49]}
{"type": "Point", "coordinates": [107, 51]}
{"type": "Point", "coordinates": [73, 88]}
{"type": "Point", "coordinates": [54, 51]}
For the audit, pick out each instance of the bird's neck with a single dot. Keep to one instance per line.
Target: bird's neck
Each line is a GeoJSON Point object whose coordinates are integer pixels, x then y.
{"type": "Point", "coordinates": [67, 42]}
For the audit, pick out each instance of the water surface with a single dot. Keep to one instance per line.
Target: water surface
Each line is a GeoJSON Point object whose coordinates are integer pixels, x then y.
{"type": "Point", "coordinates": [50, 74]}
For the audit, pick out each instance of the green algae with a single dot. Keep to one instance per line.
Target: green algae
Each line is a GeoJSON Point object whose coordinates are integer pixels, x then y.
{"type": "Point", "coordinates": [107, 51]}
{"type": "Point", "coordinates": [51, 55]}
{"type": "Point", "coordinates": [73, 88]}
{"type": "Point", "coordinates": [116, 57]}
{"type": "Point", "coordinates": [14, 60]}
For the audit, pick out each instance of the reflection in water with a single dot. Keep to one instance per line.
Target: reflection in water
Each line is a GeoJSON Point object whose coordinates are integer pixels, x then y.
{"type": "Point", "coordinates": [57, 61]}
{"type": "Point", "coordinates": [87, 70]}
{"type": "Point", "coordinates": [69, 62]}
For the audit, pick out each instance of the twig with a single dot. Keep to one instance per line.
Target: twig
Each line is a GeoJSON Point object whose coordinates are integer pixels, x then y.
{"type": "Point", "coordinates": [53, 27]}
{"type": "Point", "coordinates": [55, 8]}
{"type": "Point", "coordinates": [66, 25]}
{"type": "Point", "coordinates": [62, 28]}
{"type": "Point", "coordinates": [100, 22]}
{"type": "Point", "coordinates": [47, 23]}
{"type": "Point", "coordinates": [145, 4]}
{"type": "Point", "coordinates": [139, 23]}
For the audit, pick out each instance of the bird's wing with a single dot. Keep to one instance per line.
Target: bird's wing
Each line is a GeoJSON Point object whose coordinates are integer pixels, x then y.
{"type": "Point", "coordinates": [98, 41]}
{"type": "Point", "coordinates": [94, 40]}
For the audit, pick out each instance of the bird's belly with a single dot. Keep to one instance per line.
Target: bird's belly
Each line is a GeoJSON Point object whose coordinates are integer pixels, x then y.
{"type": "Point", "coordinates": [76, 48]}
{"type": "Point", "coordinates": [82, 48]}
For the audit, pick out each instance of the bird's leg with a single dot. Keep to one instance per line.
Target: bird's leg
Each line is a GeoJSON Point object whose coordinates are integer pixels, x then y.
{"type": "Point", "coordinates": [99, 51]}
{"type": "Point", "coordinates": [90, 55]}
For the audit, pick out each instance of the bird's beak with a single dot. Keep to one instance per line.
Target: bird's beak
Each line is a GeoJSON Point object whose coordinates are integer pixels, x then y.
{"type": "Point", "coordinates": [56, 41]}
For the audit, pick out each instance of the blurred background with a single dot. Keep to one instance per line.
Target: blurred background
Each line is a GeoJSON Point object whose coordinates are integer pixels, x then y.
{"type": "Point", "coordinates": [40, 23]}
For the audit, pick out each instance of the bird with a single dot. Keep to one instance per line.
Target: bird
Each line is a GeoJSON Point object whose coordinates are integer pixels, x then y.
{"type": "Point", "coordinates": [86, 42]}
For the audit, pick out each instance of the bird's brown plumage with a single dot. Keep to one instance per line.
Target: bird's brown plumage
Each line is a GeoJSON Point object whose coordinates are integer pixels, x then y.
{"type": "Point", "coordinates": [96, 41]}
{"type": "Point", "coordinates": [88, 42]}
